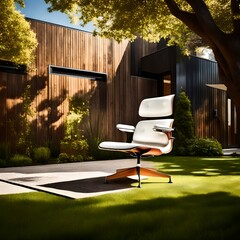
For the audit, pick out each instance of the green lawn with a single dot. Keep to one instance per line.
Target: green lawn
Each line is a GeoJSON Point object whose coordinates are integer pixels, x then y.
{"type": "Point", "coordinates": [203, 202]}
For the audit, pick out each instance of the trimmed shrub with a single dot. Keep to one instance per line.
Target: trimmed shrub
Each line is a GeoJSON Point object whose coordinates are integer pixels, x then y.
{"type": "Point", "coordinates": [3, 162]}
{"type": "Point", "coordinates": [75, 148]}
{"type": "Point", "coordinates": [4, 151]}
{"type": "Point", "coordinates": [63, 158]}
{"type": "Point", "coordinates": [184, 125]}
{"type": "Point", "coordinates": [20, 160]}
{"type": "Point", "coordinates": [41, 154]}
{"type": "Point", "coordinates": [206, 147]}
{"type": "Point", "coordinates": [186, 143]}
{"type": "Point", "coordinates": [74, 143]}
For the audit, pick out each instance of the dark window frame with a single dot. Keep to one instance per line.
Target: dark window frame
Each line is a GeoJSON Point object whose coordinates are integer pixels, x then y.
{"type": "Point", "coordinates": [10, 67]}
{"type": "Point", "coordinates": [74, 72]}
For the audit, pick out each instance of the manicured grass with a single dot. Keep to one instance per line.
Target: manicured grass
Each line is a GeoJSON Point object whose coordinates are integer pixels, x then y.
{"type": "Point", "coordinates": [203, 202]}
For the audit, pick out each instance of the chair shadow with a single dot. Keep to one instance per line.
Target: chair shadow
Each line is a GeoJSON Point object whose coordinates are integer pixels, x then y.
{"type": "Point", "coordinates": [92, 185]}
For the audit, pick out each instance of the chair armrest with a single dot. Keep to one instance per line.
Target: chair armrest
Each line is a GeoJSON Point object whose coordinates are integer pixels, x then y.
{"type": "Point", "coordinates": [167, 130]}
{"type": "Point", "coordinates": [160, 128]}
{"type": "Point", "coordinates": [125, 128]}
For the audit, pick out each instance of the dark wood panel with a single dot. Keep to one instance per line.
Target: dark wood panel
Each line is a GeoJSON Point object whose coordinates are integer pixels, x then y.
{"type": "Point", "coordinates": [114, 101]}
{"type": "Point", "coordinates": [205, 100]}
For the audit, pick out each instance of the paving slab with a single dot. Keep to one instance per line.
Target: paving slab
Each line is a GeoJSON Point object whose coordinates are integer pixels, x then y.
{"type": "Point", "coordinates": [71, 180]}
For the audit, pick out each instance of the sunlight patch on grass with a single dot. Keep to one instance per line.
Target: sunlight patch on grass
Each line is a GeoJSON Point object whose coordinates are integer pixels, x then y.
{"type": "Point", "coordinates": [195, 206]}
{"type": "Point", "coordinates": [210, 169]}
{"type": "Point", "coordinates": [199, 172]}
{"type": "Point", "coordinates": [169, 170]}
{"type": "Point", "coordinates": [175, 166]}
{"type": "Point", "coordinates": [225, 158]}
{"type": "Point", "coordinates": [212, 174]}
{"type": "Point", "coordinates": [188, 185]}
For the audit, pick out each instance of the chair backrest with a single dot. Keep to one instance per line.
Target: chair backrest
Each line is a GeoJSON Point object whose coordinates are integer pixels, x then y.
{"type": "Point", "coordinates": [157, 107]}
{"type": "Point", "coordinates": [144, 133]}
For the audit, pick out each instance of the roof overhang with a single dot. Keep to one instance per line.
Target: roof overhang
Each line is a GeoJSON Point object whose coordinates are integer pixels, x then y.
{"type": "Point", "coordinates": [218, 86]}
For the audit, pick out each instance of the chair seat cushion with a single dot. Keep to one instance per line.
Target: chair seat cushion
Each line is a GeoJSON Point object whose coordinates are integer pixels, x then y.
{"type": "Point", "coordinates": [117, 145]}
{"type": "Point", "coordinates": [131, 148]}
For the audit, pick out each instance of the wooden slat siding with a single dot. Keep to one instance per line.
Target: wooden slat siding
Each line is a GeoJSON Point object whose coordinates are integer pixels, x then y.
{"type": "Point", "coordinates": [139, 49]}
{"type": "Point", "coordinates": [117, 100]}
{"type": "Point", "coordinates": [3, 89]}
{"type": "Point", "coordinates": [39, 85]}
{"type": "Point", "coordinates": [200, 72]}
{"type": "Point", "coordinates": [13, 100]}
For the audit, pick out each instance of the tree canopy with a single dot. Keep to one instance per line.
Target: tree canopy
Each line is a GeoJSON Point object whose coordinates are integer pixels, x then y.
{"type": "Point", "coordinates": [214, 23]}
{"type": "Point", "coordinates": [187, 23]}
{"type": "Point", "coordinates": [151, 19]}
{"type": "Point", "coordinates": [17, 40]}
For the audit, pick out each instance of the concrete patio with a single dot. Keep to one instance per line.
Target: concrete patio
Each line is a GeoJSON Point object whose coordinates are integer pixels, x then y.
{"type": "Point", "coordinates": [71, 180]}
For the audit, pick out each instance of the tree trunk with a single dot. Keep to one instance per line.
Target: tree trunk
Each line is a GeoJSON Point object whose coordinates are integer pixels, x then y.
{"type": "Point", "coordinates": [228, 59]}
{"type": "Point", "coordinates": [225, 46]}
{"type": "Point", "coordinates": [232, 82]}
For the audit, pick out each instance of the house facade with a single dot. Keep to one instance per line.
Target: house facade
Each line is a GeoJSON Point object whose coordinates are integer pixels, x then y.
{"type": "Point", "coordinates": [114, 78]}
{"type": "Point", "coordinates": [213, 111]}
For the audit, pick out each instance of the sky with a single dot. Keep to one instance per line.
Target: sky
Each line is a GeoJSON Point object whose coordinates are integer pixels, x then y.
{"type": "Point", "coordinates": [37, 9]}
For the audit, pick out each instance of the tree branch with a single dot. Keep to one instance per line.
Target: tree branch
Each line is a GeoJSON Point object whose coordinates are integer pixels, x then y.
{"type": "Point", "coordinates": [236, 15]}
{"type": "Point", "coordinates": [188, 18]}
{"type": "Point", "coordinates": [205, 18]}
{"type": "Point", "coordinates": [200, 22]}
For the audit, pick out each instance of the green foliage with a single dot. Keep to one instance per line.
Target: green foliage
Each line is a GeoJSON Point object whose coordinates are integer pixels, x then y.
{"type": "Point", "coordinates": [184, 125]}
{"type": "Point", "coordinates": [75, 148]}
{"type": "Point", "coordinates": [78, 109]}
{"type": "Point", "coordinates": [95, 135]}
{"type": "Point", "coordinates": [17, 41]}
{"type": "Point", "coordinates": [74, 143]}
{"type": "Point", "coordinates": [20, 160]}
{"type": "Point", "coordinates": [186, 143]}
{"type": "Point", "coordinates": [65, 158]}
{"type": "Point", "coordinates": [20, 2]}
{"type": "Point", "coordinates": [41, 154]}
{"type": "Point", "coordinates": [206, 147]}
{"type": "Point", "coordinates": [150, 19]}
{"type": "Point", "coordinates": [4, 154]}
{"type": "Point", "coordinates": [4, 150]}
{"type": "Point", "coordinates": [25, 135]}
{"type": "Point", "coordinates": [193, 207]}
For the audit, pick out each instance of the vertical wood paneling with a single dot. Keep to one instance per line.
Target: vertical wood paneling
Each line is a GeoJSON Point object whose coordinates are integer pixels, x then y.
{"type": "Point", "coordinates": [198, 73]}
{"type": "Point", "coordinates": [114, 101]}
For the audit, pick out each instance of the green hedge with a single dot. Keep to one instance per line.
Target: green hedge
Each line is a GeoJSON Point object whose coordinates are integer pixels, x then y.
{"type": "Point", "coordinates": [41, 155]}
{"type": "Point", "coordinates": [206, 147]}
{"type": "Point", "coordinates": [20, 160]}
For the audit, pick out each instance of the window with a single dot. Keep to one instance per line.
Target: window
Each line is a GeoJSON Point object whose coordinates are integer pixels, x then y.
{"type": "Point", "coordinates": [10, 67]}
{"type": "Point", "coordinates": [73, 72]}
{"type": "Point", "coordinates": [166, 84]}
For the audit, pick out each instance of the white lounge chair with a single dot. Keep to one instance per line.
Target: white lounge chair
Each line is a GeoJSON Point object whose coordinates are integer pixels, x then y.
{"type": "Point", "coordinates": [150, 137]}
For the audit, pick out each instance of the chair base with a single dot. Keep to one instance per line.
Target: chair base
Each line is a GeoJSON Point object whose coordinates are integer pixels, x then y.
{"type": "Point", "coordinates": [139, 171]}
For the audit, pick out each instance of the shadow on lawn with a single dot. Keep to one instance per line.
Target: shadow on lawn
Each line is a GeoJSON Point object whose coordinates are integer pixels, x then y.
{"type": "Point", "coordinates": [92, 185]}
{"type": "Point", "coordinates": [198, 166]}
{"type": "Point", "coordinates": [211, 216]}
{"type": "Point", "coordinates": [201, 216]}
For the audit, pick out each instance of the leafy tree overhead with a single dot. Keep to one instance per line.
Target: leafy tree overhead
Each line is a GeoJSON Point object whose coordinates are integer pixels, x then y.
{"type": "Point", "coordinates": [215, 22]}
{"type": "Point", "coordinates": [17, 40]}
